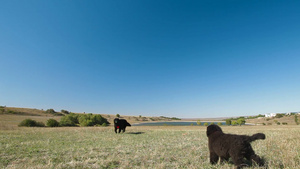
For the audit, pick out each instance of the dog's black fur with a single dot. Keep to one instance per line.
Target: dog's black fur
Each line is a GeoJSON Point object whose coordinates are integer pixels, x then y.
{"type": "Point", "coordinates": [237, 147]}
{"type": "Point", "coordinates": [120, 124]}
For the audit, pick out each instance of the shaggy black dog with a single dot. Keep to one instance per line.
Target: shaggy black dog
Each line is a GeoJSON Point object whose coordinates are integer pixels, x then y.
{"type": "Point", "coordinates": [120, 124]}
{"type": "Point", "coordinates": [237, 147]}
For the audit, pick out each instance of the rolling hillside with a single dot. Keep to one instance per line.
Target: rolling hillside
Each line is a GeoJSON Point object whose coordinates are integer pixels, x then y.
{"type": "Point", "coordinates": [10, 117]}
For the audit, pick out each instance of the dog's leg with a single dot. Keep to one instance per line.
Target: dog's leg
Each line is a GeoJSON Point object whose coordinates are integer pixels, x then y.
{"type": "Point", "coordinates": [257, 159]}
{"type": "Point", "coordinates": [223, 159]}
{"type": "Point", "coordinates": [238, 160]}
{"type": "Point", "coordinates": [115, 129]}
{"type": "Point", "coordinates": [213, 158]}
{"type": "Point", "coordinates": [253, 157]}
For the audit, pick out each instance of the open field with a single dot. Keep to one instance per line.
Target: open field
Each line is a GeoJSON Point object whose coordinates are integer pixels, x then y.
{"type": "Point", "coordinates": [139, 147]}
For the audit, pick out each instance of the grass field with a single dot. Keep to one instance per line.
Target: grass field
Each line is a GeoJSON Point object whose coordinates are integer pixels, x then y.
{"type": "Point", "coordinates": [139, 147]}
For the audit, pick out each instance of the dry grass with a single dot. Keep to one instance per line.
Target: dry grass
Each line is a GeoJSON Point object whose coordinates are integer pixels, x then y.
{"type": "Point", "coordinates": [10, 121]}
{"type": "Point", "coordinates": [290, 120]}
{"type": "Point", "coordinates": [139, 147]}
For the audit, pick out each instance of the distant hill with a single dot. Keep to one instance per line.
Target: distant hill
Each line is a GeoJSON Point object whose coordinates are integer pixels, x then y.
{"type": "Point", "coordinates": [21, 111]}
{"type": "Point", "coordinates": [12, 116]}
{"type": "Point", "coordinates": [285, 120]}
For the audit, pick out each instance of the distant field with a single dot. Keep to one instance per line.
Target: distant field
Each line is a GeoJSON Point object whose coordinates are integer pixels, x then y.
{"type": "Point", "coordinates": [139, 147]}
{"type": "Point", "coordinates": [10, 117]}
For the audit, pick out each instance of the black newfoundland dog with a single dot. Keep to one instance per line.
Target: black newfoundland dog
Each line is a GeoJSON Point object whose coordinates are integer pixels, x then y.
{"type": "Point", "coordinates": [120, 124]}
{"type": "Point", "coordinates": [237, 147]}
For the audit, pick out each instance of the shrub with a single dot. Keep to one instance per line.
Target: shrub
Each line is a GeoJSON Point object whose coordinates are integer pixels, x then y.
{"type": "Point", "coordinates": [144, 119]}
{"type": "Point", "coordinates": [91, 120]}
{"type": "Point", "coordinates": [279, 115]}
{"type": "Point", "coordinates": [205, 124]}
{"type": "Point", "coordinates": [50, 111]}
{"type": "Point", "coordinates": [83, 120]}
{"type": "Point", "coordinates": [219, 124]}
{"type": "Point", "coordinates": [53, 112]}
{"type": "Point", "coordinates": [65, 112]}
{"type": "Point", "coordinates": [31, 123]}
{"type": "Point", "coordinates": [296, 119]}
{"type": "Point", "coordinates": [40, 124]}
{"type": "Point", "coordinates": [52, 123]}
{"type": "Point", "coordinates": [69, 120]}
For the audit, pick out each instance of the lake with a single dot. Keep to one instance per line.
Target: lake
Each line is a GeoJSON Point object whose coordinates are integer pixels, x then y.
{"type": "Point", "coordinates": [177, 123]}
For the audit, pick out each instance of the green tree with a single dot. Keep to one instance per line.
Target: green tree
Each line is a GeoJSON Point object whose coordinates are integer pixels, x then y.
{"type": "Point", "coordinates": [228, 122]}
{"type": "Point", "coordinates": [118, 115]}
{"type": "Point", "coordinates": [205, 124]}
{"type": "Point", "coordinates": [199, 122]}
{"type": "Point", "coordinates": [241, 121]}
{"type": "Point", "coordinates": [234, 123]}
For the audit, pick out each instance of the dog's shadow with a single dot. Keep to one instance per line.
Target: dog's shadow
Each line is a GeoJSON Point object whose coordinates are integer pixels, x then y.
{"type": "Point", "coordinates": [136, 133]}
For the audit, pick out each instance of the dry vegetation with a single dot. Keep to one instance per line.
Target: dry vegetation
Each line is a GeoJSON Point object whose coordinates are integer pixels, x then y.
{"type": "Point", "coordinates": [290, 120]}
{"type": "Point", "coordinates": [139, 147]}
{"type": "Point", "coordinates": [10, 117]}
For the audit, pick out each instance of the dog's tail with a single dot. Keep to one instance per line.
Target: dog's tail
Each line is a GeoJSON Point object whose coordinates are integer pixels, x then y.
{"type": "Point", "coordinates": [257, 136]}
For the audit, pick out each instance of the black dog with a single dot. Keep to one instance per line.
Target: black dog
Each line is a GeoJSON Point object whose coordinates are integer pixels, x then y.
{"type": "Point", "coordinates": [120, 124]}
{"type": "Point", "coordinates": [237, 147]}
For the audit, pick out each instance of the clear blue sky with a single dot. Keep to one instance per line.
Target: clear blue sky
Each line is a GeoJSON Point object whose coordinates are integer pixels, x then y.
{"type": "Point", "coordinates": [209, 58]}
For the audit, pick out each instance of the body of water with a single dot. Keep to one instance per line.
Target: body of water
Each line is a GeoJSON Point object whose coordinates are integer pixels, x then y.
{"type": "Point", "coordinates": [176, 123]}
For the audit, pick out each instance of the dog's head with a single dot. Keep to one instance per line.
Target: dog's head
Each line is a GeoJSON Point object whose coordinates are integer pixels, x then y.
{"type": "Point", "coordinates": [212, 128]}
{"type": "Point", "coordinates": [116, 120]}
